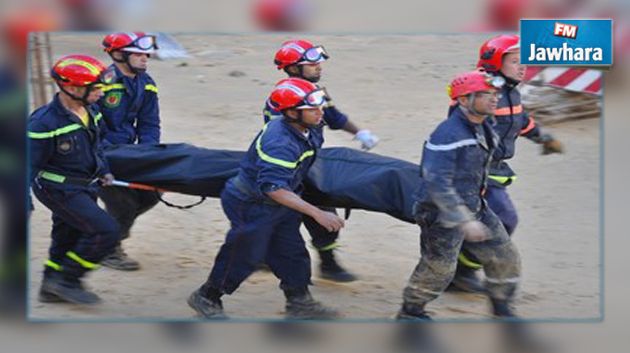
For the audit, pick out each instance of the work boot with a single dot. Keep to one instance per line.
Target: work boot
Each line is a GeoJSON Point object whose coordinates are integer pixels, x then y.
{"type": "Point", "coordinates": [118, 260]}
{"type": "Point", "coordinates": [48, 297]}
{"type": "Point", "coordinates": [331, 270]}
{"type": "Point", "coordinates": [411, 312]}
{"type": "Point", "coordinates": [70, 290]}
{"type": "Point", "coordinates": [301, 306]}
{"type": "Point", "coordinates": [466, 280]}
{"type": "Point", "coordinates": [207, 308]}
{"type": "Point", "coordinates": [502, 309]}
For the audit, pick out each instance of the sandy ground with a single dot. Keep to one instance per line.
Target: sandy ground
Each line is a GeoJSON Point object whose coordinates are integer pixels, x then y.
{"type": "Point", "coordinates": [393, 85]}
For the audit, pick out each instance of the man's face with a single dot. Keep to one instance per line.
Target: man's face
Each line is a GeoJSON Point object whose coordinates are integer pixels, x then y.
{"type": "Point", "coordinates": [310, 116]}
{"type": "Point", "coordinates": [512, 67]}
{"type": "Point", "coordinates": [311, 72]}
{"type": "Point", "coordinates": [139, 61]}
{"type": "Point", "coordinates": [486, 102]}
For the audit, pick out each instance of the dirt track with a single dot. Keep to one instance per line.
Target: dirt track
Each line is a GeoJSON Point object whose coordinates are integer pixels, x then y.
{"type": "Point", "coordinates": [392, 85]}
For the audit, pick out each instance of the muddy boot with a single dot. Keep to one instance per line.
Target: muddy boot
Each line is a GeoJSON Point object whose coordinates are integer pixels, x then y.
{"type": "Point", "coordinates": [301, 306]}
{"type": "Point", "coordinates": [466, 280]}
{"type": "Point", "coordinates": [331, 270]}
{"type": "Point", "coordinates": [66, 289]}
{"type": "Point", "coordinates": [205, 307]}
{"type": "Point", "coordinates": [118, 260]}
{"type": "Point", "coordinates": [411, 312]}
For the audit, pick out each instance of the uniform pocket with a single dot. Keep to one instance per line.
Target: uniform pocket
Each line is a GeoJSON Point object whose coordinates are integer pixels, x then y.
{"type": "Point", "coordinates": [66, 145]}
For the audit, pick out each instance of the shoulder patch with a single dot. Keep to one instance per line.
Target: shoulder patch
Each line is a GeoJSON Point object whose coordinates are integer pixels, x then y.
{"type": "Point", "coordinates": [112, 99]}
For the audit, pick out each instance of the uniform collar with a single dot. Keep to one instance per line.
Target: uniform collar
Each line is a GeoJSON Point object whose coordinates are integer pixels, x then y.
{"type": "Point", "coordinates": [60, 109]}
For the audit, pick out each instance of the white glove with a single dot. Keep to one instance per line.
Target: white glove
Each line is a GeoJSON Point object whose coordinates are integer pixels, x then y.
{"type": "Point", "coordinates": [368, 140]}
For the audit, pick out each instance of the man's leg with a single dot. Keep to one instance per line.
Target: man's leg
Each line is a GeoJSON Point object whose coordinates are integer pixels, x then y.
{"type": "Point", "coordinates": [289, 260]}
{"type": "Point", "coordinates": [125, 205]}
{"type": "Point", "coordinates": [245, 246]}
{"type": "Point", "coordinates": [95, 233]}
{"type": "Point", "coordinates": [326, 242]}
{"type": "Point", "coordinates": [501, 263]}
{"type": "Point", "coordinates": [439, 248]}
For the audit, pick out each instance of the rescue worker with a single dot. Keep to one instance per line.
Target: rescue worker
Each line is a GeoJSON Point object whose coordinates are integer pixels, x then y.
{"type": "Point", "coordinates": [130, 110]}
{"type": "Point", "coordinates": [450, 207]}
{"type": "Point", "coordinates": [66, 164]}
{"type": "Point", "coordinates": [500, 56]}
{"type": "Point", "coordinates": [302, 59]}
{"type": "Point", "coordinates": [265, 209]}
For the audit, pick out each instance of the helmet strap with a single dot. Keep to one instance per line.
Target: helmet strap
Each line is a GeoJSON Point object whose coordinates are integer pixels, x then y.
{"type": "Point", "coordinates": [470, 107]}
{"type": "Point", "coordinates": [82, 99]}
{"type": "Point", "coordinates": [510, 82]}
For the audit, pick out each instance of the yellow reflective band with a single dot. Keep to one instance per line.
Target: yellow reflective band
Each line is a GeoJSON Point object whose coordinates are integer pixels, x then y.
{"type": "Point", "coordinates": [82, 262]}
{"type": "Point", "coordinates": [267, 158]}
{"type": "Point", "coordinates": [93, 69]}
{"type": "Point", "coordinates": [332, 246]}
{"type": "Point", "coordinates": [151, 88]}
{"type": "Point", "coordinates": [51, 134]}
{"type": "Point", "coordinates": [98, 117]}
{"type": "Point", "coordinates": [467, 262]}
{"type": "Point", "coordinates": [52, 176]}
{"type": "Point", "coordinates": [55, 266]}
{"type": "Point", "coordinates": [502, 179]}
{"type": "Point", "coordinates": [106, 88]}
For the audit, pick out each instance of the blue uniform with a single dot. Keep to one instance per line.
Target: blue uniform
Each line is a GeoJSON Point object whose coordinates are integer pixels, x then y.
{"type": "Point", "coordinates": [454, 171]}
{"type": "Point", "coordinates": [511, 121]}
{"type": "Point", "coordinates": [66, 156]}
{"type": "Point", "coordinates": [262, 230]}
{"type": "Point", "coordinates": [321, 237]}
{"type": "Point", "coordinates": [131, 112]}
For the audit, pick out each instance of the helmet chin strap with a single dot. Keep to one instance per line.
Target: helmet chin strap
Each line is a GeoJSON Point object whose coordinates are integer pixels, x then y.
{"type": "Point", "coordinates": [470, 107]}
{"type": "Point", "coordinates": [82, 99]}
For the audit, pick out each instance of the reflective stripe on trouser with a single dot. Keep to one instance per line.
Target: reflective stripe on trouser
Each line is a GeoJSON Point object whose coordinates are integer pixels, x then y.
{"type": "Point", "coordinates": [321, 238]}
{"type": "Point", "coordinates": [82, 232]}
{"type": "Point", "coordinates": [439, 251]}
{"type": "Point", "coordinates": [125, 205]}
{"type": "Point", "coordinates": [260, 233]}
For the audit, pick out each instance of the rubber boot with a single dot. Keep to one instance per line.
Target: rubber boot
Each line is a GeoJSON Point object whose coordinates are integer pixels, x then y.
{"type": "Point", "coordinates": [119, 260]}
{"type": "Point", "coordinates": [208, 306]}
{"type": "Point", "coordinates": [331, 270]}
{"type": "Point", "coordinates": [412, 312]}
{"type": "Point", "coordinates": [301, 306]}
{"type": "Point", "coordinates": [466, 280]}
{"type": "Point", "coordinates": [67, 289]}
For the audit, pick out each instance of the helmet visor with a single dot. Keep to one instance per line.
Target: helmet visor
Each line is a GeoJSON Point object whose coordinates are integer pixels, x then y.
{"type": "Point", "coordinates": [317, 98]}
{"type": "Point", "coordinates": [145, 44]}
{"type": "Point", "coordinates": [314, 55]}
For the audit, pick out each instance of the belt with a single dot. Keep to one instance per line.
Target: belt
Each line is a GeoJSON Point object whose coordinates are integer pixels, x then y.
{"type": "Point", "coordinates": [61, 179]}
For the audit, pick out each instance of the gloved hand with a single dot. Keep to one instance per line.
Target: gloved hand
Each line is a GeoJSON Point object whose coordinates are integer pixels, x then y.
{"type": "Point", "coordinates": [107, 179]}
{"type": "Point", "coordinates": [368, 140]}
{"type": "Point", "coordinates": [552, 146]}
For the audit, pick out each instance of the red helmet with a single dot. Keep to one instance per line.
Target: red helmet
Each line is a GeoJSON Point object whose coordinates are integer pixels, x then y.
{"type": "Point", "coordinates": [132, 42]}
{"type": "Point", "coordinates": [473, 81]}
{"type": "Point", "coordinates": [77, 70]}
{"type": "Point", "coordinates": [492, 51]}
{"type": "Point", "coordinates": [297, 93]}
{"type": "Point", "coordinates": [299, 52]}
